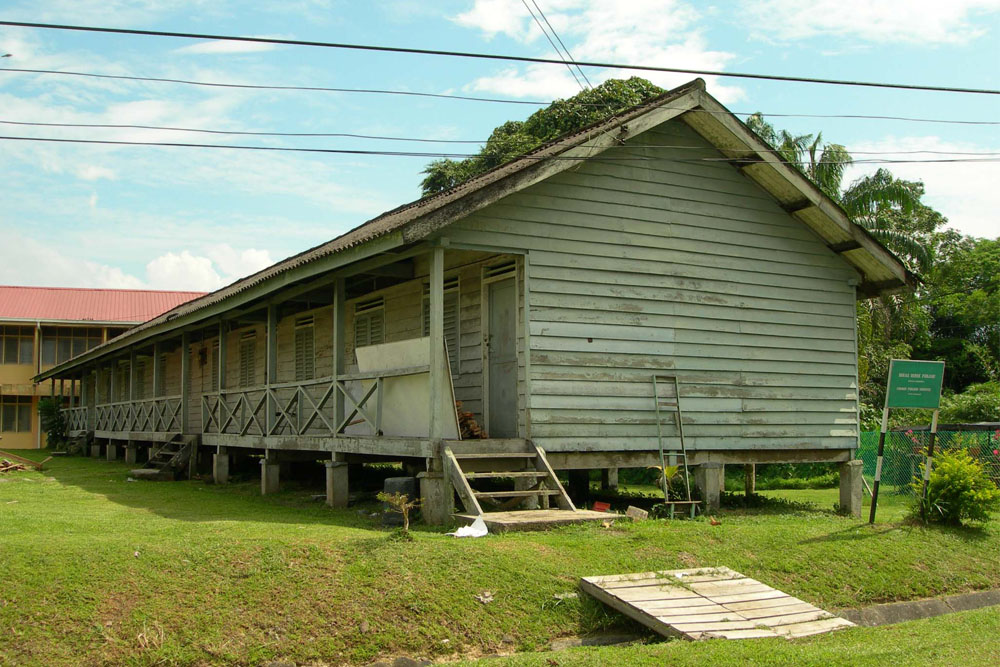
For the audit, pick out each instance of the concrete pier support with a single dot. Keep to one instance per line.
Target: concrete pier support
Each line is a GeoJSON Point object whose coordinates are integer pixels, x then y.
{"type": "Point", "coordinates": [609, 479]}
{"type": "Point", "coordinates": [112, 452]}
{"type": "Point", "coordinates": [749, 479]}
{"type": "Point", "coordinates": [708, 478]}
{"type": "Point", "coordinates": [850, 487]}
{"type": "Point", "coordinates": [523, 484]}
{"type": "Point", "coordinates": [95, 451]}
{"type": "Point", "coordinates": [270, 474]}
{"type": "Point", "coordinates": [131, 454]}
{"type": "Point", "coordinates": [220, 466]}
{"type": "Point", "coordinates": [437, 498]}
{"type": "Point", "coordinates": [337, 479]}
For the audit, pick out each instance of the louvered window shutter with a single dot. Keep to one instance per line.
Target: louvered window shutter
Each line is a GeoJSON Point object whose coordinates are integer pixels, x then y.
{"type": "Point", "coordinates": [304, 350]}
{"type": "Point", "coordinates": [248, 361]}
{"type": "Point", "coordinates": [452, 320]}
{"type": "Point", "coordinates": [215, 366]}
{"type": "Point", "coordinates": [369, 323]}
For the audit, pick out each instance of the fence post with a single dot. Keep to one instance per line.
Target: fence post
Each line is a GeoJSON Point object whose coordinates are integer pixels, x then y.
{"type": "Point", "coordinates": [878, 460]}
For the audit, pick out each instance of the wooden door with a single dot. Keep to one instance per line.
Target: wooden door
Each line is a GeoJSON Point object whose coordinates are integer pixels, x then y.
{"type": "Point", "coordinates": [501, 353]}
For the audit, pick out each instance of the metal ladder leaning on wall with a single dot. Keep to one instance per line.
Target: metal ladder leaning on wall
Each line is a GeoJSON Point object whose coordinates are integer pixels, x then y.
{"type": "Point", "coordinates": [667, 405]}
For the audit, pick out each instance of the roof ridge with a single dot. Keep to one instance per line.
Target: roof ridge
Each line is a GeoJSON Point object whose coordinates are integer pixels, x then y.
{"type": "Point", "coordinates": [102, 289]}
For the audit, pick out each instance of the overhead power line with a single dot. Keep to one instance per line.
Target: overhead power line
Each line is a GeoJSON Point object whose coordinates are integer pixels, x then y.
{"type": "Point", "coordinates": [556, 35]}
{"type": "Point", "coordinates": [375, 91]}
{"type": "Point", "coordinates": [347, 151]}
{"type": "Point", "coordinates": [376, 137]}
{"type": "Point", "coordinates": [496, 56]}
{"type": "Point", "coordinates": [559, 53]}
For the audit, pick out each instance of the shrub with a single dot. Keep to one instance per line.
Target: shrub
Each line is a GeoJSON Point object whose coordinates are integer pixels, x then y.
{"type": "Point", "coordinates": [53, 421]}
{"type": "Point", "coordinates": [978, 403]}
{"type": "Point", "coordinates": [959, 490]}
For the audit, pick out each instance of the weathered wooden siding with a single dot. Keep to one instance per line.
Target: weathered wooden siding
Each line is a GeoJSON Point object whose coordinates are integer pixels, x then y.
{"type": "Point", "coordinates": [662, 264]}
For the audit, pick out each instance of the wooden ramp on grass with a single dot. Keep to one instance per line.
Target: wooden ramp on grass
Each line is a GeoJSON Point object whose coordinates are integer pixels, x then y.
{"type": "Point", "coordinates": [522, 520]}
{"type": "Point", "coordinates": [710, 603]}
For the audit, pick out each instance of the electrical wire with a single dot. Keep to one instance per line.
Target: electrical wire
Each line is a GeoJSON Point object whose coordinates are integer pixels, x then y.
{"type": "Point", "coordinates": [345, 151]}
{"type": "Point", "coordinates": [495, 100]}
{"type": "Point", "coordinates": [496, 56]}
{"type": "Point", "coordinates": [349, 135]}
{"type": "Point", "coordinates": [556, 35]}
{"type": "Point", "coordinates": [554, 47]}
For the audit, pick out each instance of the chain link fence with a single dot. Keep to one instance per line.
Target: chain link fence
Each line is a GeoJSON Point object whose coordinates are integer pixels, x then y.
{"type": "Point", "coordinates": [905, 451]}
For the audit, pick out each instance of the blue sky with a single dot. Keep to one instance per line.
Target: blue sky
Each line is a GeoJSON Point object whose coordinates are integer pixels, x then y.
{"type": "Point", "coordinates": [173, 218]}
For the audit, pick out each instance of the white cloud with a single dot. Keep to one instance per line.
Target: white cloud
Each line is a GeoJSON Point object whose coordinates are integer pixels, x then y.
{"type": "Point", "coordinates": [26, 261]}
{"type": "Point", "coordinates": [221, 46]}
{"type": "Point", "coordinates": [651, 32]}
{"type": "Point", "coordinates": [220, 266]}
{"type": "Point", "coordinates": [962, 192]}
{"type": "Point", "coordinates": [910, 21]}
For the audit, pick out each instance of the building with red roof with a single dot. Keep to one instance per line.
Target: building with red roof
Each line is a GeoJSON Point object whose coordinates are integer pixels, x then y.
{"type": "Point", "coordinates": [44, 326]}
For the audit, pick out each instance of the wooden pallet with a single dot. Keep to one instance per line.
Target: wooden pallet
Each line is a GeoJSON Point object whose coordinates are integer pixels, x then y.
{"type": "Point", "coordinates": [710, 603]}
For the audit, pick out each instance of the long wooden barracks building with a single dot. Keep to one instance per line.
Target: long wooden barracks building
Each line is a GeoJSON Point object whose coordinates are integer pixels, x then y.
{"type": "Point", "coordinates": [544, 295]}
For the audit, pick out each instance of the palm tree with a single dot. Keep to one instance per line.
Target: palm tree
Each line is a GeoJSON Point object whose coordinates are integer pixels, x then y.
{"type": "Point", "coordinates": [873, 201]}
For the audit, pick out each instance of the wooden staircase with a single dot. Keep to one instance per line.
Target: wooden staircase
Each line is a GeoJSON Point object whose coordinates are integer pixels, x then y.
{"type": "Point", "coordinates": [170, 460]}
{"type": "Point", "coordinates": [469, 462]}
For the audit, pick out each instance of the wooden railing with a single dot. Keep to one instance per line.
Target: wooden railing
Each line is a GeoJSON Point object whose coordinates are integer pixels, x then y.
{"type": "Point", "coordinates": [162, 414]}
{"type": "Point", "coordinates": [157, 414]}
{"type": "Point", "coordinates": [303, 408]}
{"type": "Point", "coordinates": [76, 418]}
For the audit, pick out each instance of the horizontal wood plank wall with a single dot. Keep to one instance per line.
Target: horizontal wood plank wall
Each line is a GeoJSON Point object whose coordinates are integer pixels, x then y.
{"type": "Point", "coordinates": [663, 264]}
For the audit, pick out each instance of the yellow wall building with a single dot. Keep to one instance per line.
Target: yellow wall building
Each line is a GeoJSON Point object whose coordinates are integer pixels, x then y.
{"type": "Point", "coordinates": [44, 326]}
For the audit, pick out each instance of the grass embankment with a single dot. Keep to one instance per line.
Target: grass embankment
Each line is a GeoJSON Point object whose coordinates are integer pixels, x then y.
{"type": "Point", "coordinates": [967, 638]}
{"type": "Point", "coordinates": [95, 569]}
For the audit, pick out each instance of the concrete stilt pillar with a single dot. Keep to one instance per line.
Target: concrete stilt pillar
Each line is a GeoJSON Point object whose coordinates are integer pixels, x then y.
{"type": "Point", "coordinates": [112, 452]}
{"type": "Point", "coordinates": [850, 487]}
{"type": "Point", "coordinates": [270, 473]}
{"type": "Point", "coordinates": [337, 479]}
{"type": "Point", "coordinates": [220, 466]}
{"type": "Point", "coordinates": [750, 479]}
{"type": "Point", "coordinates": [613, 479]}
{"type": "Point", "coordinates": [707, 479]}
{"type": "Point", "coordinates": [95, 451]}
{"type": "Point", "coordinates": [523, 484]}
{"type": "Point", "coordinates": [131, 454]}
{"type": "Point", "coordinates": [437, 498]}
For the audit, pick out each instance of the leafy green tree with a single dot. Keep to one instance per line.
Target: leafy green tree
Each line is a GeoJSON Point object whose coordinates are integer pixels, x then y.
{"type": "Point", "coordinates": [515, 138]}
{"type": "Point", "coordinates": [884, 205]}
{"type": "Point", "coordinates": [823, 163]}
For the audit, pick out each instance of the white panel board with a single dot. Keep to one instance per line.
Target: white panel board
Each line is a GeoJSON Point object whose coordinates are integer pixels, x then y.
{"type": "Point", "coordinates": [406, 398]}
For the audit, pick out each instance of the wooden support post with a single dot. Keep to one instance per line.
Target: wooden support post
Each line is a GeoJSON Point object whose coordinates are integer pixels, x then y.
{"type": "Point", "coordinates": [157, 370]}
{"type": "Point", "coordinates": [339, 338]}
{"type": "Point", "coordinates": [223, 354]}
{"type": "Point", "coordinates": [85, 399]}
{"type": "Point", "coordinates": [271, 366]}
{"type": "Point", "coordinates": [750, 479]}
{"type": "Point", "coordinates": [52, 387]}
{"type": "Point", "coordinates": [113, 381]}
{"type": "Point", "coordinates": [132, 393]}
{"type": "Point", "coordinates": [438, 388]}
{"type": "Point", "coordinates": [62, 388]}
{"type": "Point", "coordinates": [185, 382]}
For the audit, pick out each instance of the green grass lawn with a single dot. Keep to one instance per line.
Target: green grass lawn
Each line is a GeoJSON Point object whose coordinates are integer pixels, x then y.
{"type": "Point", "coordinates": [967, 638]}
{"type": "Point", "coordinates": [95, 569]}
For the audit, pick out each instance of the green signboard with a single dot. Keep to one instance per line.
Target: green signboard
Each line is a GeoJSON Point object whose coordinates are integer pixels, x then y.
{"type": "Point", "coordinates": [914, 384]}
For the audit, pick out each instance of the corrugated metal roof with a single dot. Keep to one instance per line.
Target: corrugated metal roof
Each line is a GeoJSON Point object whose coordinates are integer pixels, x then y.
{"type": "Point", "coordinates": [87, 305]}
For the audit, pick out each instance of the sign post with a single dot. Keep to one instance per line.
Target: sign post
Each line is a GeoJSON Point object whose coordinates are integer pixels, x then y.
{"type": "Point", "coordinates": [911, 385]}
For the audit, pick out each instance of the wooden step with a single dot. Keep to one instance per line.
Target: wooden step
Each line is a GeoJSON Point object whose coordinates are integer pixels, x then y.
{"type": "Point", "coordinates": [497, 455]}
{"type": "Point", "coordinates": [528, 493]}
{"type": "Point", "coordinates": [513, 473]}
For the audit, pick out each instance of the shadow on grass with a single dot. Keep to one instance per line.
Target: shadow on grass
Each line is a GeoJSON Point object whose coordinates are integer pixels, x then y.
{"type": "Point", "coordinates": [201, 501]}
